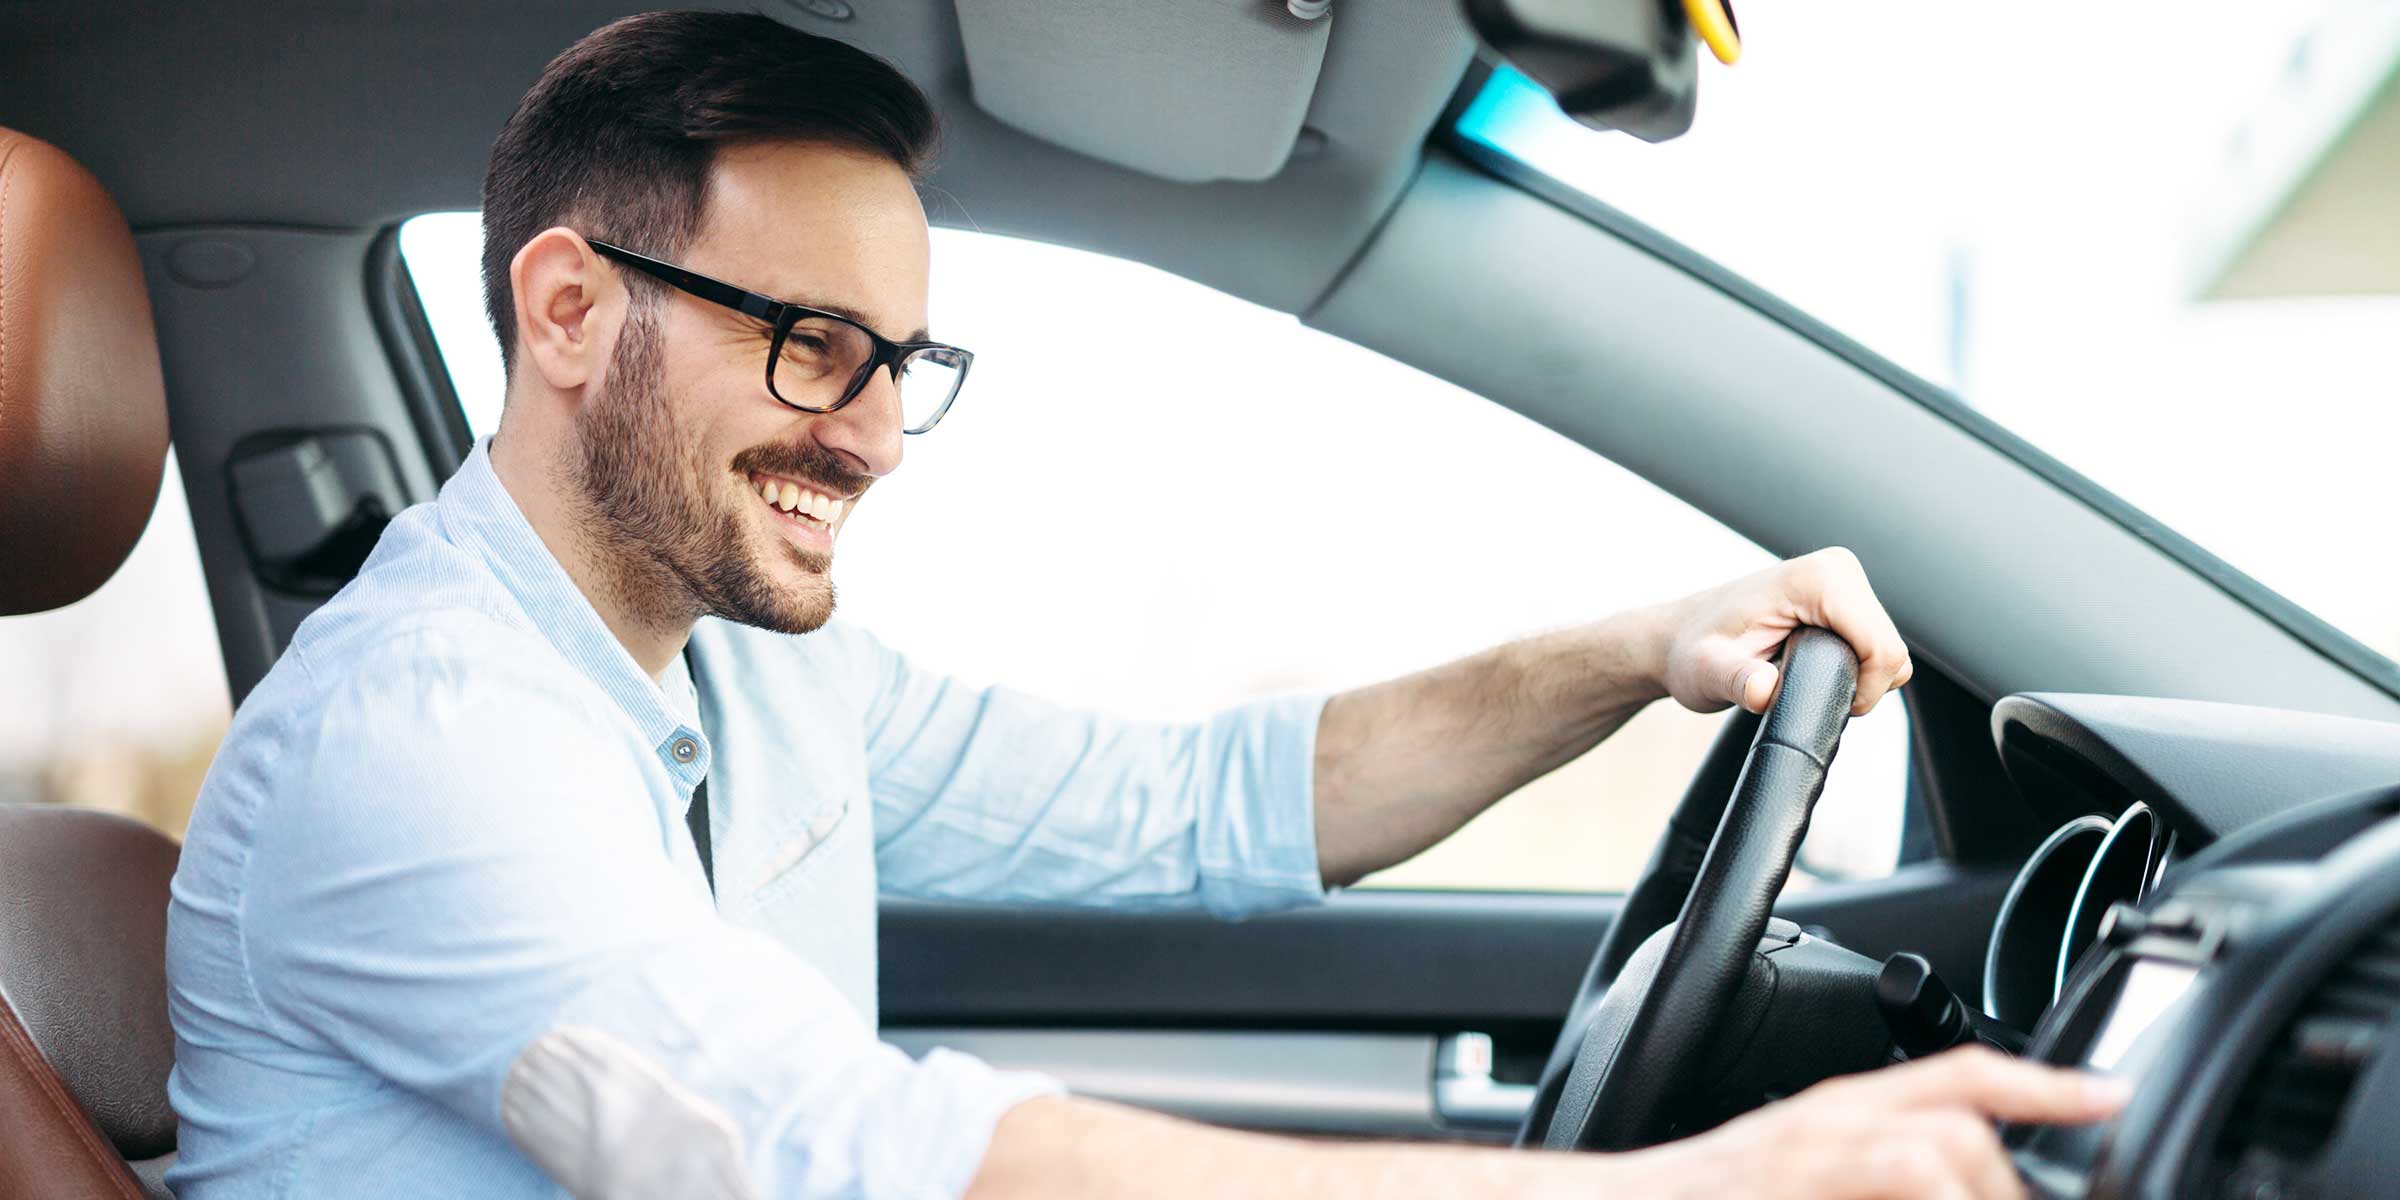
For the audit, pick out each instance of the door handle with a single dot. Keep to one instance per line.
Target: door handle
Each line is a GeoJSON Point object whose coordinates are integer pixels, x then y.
{"type": "Point", "coordinates": [1466, 1097]}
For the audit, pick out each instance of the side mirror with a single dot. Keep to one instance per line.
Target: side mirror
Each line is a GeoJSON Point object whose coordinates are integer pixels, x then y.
{"type": "Point", "coordinates": [1613, 64]}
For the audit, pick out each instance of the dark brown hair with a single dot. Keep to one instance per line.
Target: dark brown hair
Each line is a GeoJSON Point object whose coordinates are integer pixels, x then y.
{"type": "Point", "coordinates": [617, 136]}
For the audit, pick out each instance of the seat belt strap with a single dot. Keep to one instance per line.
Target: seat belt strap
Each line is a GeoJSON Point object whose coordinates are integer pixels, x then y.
{"type": "Point", "coordinates": [696, 817]}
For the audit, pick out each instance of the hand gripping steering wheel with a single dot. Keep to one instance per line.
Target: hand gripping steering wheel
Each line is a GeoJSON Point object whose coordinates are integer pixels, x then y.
{"type": "Point", "coordinates": [1636, 1035]}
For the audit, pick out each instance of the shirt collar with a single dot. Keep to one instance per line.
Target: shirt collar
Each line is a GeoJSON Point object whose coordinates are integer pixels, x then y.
{"type": "Point", "coordinates": [478, 513]}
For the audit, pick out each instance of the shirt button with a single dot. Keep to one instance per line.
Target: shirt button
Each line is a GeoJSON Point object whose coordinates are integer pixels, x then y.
{"type": "Point", "coordinates": [684, 749]}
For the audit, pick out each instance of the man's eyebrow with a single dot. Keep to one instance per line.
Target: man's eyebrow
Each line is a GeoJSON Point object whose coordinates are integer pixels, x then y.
{"type": "Point", "coordinates": [920, 334]}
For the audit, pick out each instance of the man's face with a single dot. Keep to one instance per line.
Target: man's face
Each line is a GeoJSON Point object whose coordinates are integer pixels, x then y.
{"type": "Point", "coordinates": [682, 443]}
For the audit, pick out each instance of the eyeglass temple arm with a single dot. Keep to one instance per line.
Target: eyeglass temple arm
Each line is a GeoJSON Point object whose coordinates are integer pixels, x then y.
{"type": "Point", "coordinates": [716, 291]}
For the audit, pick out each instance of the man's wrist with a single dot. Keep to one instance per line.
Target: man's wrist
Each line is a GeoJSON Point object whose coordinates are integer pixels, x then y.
{"type": "Point", "coordinates": [1630, 651]}
{"type": "Point", "coordinates": [1589, 678]}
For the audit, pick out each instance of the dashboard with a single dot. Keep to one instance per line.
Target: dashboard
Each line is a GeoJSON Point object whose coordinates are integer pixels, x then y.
{"type": "Point", "coordinates": [2219, 922]}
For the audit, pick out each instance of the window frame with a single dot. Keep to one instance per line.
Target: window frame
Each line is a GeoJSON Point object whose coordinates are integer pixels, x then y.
{"type": "Point", "coordinates": [423, 375]}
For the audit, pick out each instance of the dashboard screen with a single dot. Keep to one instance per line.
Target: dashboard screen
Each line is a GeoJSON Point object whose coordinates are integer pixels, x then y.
{"type": "Point", "coordinates": [2150, 988]}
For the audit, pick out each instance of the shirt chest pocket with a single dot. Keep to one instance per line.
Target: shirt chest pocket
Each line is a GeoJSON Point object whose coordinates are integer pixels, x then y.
{"type": "Point", "coordinates": [793, 810]}
{"type": "Point", "coordinates": [805, 840]}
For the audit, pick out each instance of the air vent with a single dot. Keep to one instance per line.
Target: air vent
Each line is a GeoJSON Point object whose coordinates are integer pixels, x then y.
{"type": "Point", "coordinates": [2292, 1105]}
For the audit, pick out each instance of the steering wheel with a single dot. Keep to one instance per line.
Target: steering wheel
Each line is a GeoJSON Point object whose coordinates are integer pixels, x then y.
{"type": "Point", "coordinates": [1656, 991]}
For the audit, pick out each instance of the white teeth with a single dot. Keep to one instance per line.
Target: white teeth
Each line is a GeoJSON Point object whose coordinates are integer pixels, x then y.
{"type": "Point", "coordinates": [792, 499]}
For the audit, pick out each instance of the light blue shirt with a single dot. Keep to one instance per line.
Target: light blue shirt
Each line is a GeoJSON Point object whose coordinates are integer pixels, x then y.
{"type": "Point", "coordinates": [440, 928]}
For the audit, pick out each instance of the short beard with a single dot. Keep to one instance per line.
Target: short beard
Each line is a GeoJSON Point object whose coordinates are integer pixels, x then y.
{"type": "Point", "coordinates": [668, 548]}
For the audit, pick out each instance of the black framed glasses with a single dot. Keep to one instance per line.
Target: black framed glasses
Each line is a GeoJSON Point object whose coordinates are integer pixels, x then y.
{"type": "Point", "coordinates": [818, 361]}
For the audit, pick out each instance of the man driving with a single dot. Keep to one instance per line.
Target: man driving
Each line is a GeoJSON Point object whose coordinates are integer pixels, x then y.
{"type": "Point", "coordinates": [547, 856]}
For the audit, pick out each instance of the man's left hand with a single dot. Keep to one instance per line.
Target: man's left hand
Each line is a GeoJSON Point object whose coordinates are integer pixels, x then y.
{"type": "Point", "coordinates": [1714, 648]}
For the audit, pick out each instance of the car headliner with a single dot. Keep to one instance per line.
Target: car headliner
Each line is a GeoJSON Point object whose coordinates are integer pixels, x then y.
{"type": "Point", "coordinates": [342, 116]}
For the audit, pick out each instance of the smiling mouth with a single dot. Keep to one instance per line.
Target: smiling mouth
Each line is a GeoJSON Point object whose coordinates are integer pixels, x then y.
{"type": "Point", "coordinates": [799, 503]}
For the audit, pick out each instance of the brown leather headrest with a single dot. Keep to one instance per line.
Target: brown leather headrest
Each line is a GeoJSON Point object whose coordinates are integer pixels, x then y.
{"type": "Point", "coordinates": [83, 962]}
{"type": "Point", "coordinates": [83, 413]}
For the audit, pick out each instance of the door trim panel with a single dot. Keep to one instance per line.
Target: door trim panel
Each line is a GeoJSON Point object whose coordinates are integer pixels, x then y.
{"type": "Point", "coordinates": [1435, 962]}
{"type": "Point", "coordinates": [1364, 959]}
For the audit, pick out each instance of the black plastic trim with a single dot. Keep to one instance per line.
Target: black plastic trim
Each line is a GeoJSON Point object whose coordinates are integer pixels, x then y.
{"type": "Point", "coordinates": [2207, 769]}
{"type": "Point", "coordinates": [1503, 963]}
{"type": "Point", "coordinates": [1971, 811]}
{"type": "Point", "coordinates": [2311, 630]}
{"type": "Point", "coordinates": [416, 358]}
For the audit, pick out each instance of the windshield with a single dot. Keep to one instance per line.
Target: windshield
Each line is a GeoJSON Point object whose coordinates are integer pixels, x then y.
{"type": "Point", "coordinates": [2161, 241]}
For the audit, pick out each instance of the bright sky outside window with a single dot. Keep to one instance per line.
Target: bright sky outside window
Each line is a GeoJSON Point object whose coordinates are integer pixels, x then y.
{"type": "Point", "coordinates": [2034, 205]}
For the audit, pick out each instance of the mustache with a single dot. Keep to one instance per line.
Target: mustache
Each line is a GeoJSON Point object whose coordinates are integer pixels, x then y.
{"type": "Point", "coordinates": [808, 462]}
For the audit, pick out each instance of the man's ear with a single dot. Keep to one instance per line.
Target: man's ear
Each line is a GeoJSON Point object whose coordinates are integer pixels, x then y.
{"type": "Point", "coordinates": [568, 308]}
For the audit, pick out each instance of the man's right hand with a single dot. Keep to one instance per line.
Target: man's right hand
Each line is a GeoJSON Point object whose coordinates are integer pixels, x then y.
{"type": "Point", "coordinates": [1923, 1129]}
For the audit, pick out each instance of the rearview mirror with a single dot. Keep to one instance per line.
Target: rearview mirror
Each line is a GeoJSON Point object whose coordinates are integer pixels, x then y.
{"type": "Point", "coordinates": [1613, 64]}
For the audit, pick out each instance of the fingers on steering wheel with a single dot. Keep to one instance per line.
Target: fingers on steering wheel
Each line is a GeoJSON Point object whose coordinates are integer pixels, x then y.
{"type": "Point", "coordinates": [1883, 662]}
{"type": "Point", "coordinates": [1848, 605]}
{"type": "Point", "coordinates": [1754, 685]}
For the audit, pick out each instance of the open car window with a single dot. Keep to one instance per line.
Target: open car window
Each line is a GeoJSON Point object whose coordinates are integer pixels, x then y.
{"type": "Point", "coordinates": [1160, 500]}
{"type": "Point", "coordinates": [2141, 262]}
{"type": "Point", "coordinates": [117, 701]}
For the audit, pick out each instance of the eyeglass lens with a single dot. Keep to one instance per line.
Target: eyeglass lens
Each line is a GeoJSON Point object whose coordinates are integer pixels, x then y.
{"type": "Point", "coordinates": [822, 358]}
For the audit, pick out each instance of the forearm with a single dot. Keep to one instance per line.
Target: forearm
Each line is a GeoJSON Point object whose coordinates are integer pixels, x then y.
{"type": "Point", "coordinates": [1403, 763]}
{"type": "Point", "coordinates": [1061, 1148]}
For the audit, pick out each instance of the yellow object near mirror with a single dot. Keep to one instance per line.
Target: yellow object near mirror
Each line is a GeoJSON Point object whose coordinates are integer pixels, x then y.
{"type": "Point", "coordinates": [1713, 21]}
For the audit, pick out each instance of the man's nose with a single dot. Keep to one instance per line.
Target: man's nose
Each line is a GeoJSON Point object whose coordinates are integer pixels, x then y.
{"type": "Point", "coordinates": [868, 428]}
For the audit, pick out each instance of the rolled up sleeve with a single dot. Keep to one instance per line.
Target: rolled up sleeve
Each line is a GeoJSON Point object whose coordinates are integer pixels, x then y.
{"type": "Point", "coordinates": [986, 793]}
{"type": "Point", "coordinates": [498, 929]}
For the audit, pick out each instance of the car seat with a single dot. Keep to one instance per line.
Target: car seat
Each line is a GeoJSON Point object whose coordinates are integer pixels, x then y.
{"type": "Point", "coordinates": [85, 1046]}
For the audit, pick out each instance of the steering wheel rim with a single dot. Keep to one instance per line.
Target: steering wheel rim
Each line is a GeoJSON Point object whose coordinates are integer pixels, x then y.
{"type": "Point", "coordinates": [1636, 1036]}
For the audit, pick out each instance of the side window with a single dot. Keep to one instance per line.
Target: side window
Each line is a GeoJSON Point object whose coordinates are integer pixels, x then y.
{"type": "Point", "coordinates": [118, 701]}
{"type": "Point", "coordinates": [1158, 499]}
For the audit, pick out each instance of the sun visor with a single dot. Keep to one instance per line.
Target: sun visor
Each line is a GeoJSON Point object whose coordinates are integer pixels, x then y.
{"type": "Point", "coordinates": [1188, 90]}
